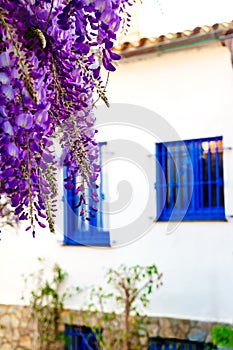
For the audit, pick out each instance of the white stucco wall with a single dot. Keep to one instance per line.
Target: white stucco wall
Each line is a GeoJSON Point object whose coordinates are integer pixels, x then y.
{"type": "Point", "coordinates": [192, 90]}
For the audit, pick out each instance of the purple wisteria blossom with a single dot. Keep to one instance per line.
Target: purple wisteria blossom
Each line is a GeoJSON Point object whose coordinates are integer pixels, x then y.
{"type": "Point", "coordinates": [7, 128]}
{"type": "Point", "coordinates": [12, 150]}
{"type": "Point", "coordinates": [51, 56]}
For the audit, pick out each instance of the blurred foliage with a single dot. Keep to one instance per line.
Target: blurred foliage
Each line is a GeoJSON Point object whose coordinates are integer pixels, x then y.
{"type": "Point", "coordinates": [46, 302]}
{"type": "Point", "coordinates": [124, 327]}
{"type": "Point", "coordinates": [222, 335]}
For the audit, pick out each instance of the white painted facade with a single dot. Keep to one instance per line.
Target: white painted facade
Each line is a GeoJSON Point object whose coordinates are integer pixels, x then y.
{"type": "Point", "coordinates": [192, 90]}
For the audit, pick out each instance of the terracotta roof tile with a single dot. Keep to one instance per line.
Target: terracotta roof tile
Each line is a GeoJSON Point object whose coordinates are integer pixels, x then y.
{"type": "Point", "coordinates": [143, 45]}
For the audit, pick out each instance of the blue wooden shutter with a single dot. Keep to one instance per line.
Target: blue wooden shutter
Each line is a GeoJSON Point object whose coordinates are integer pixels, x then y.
{"type": "Point", "coordinates": [79, 231]}
{"type": "Point", "coordinates": [189, 180]}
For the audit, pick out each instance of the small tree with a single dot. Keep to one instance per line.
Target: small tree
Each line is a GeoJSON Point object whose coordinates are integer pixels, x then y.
{"type": "Point", "coordinates": [46, 305]}
{"type": "Point", "coordinates": [131, 288]}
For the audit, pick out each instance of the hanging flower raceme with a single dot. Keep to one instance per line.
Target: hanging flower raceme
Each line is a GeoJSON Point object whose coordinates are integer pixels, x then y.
{"type": "Point", "coordinates": [51, 54]}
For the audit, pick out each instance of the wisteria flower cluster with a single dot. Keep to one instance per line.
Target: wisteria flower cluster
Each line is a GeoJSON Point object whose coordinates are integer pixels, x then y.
{"type": "Point", "coordinates": [51, 56]}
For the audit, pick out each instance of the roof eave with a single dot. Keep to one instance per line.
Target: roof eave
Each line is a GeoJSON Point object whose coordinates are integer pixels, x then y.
{"type": "Point", "coordinates": [145, 45]}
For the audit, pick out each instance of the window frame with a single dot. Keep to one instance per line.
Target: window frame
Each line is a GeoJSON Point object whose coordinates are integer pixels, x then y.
{"type": "Point", "coordinates": [194, 210]}
{"type": "Point", "coordinates": [79, 337]}
{"type": "Point", "coordinates": [91, 233]}
{"type": "Point", "coordinates": [158, 343]}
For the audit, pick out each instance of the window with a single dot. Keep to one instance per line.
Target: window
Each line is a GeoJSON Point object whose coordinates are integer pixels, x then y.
{"type": "Point", "coordinates": [156, 343]}
{"type": "Point", "coordinates": [79, 231]}
{"type": "Point", "coordinates": [81, 338]}
{"type": "Point", "coordinates": [189, 180]}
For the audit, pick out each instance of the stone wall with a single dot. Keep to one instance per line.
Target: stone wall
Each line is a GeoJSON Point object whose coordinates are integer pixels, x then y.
{"type": "Point", "coordinates": [16, 328]}
{"type": "Point", "coordinates": [163, 327]}
{"type": "Point", "coordinates": [180, 329]}
{"type": "Point", "coordinates": [18, 331]}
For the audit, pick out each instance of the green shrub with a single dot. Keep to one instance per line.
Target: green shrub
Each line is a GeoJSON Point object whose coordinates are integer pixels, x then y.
{"type": "Point", "coordinates": [222, 335]}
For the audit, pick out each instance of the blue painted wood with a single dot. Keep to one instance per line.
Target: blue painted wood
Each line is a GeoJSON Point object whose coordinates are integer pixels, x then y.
{"type": "Point", "coordinates": [189, 158]}
{"type": "Point", "coordinates": [191, 347]}
{"type": "Point", "coordinates": [192, 196]}
{"type": "Point", "coordinates": [78, 230]}
{"type": "Point", "coordinates": [161, 181]}
{"type": "Point", "coordinates": [164, 177]}
{"type": "Point", "coordinates": [178, 175]}
{"type": "Point", "coordinates": [217, 175]}
{"type": "Point", "coordinates": [196, 160]}
{"type": "Point", "coordinates": [74, 342]}
{"type": "Point", "coordinates": [80, 338]}
{"type": "Point", "coordinates": [178, 344]}
{"type": "Point", "coordinates": [209, 175]}
{"type": "Point", "coordinates": [158, 180]}
{"type": "Point", "coordinates": [171, 178]}
{"type": "Point", "coordinates": [182, 346]}
{"type": "Point", "coordinates": [201, 178]}
{"type": "Point", "coordinates": [101, 192]}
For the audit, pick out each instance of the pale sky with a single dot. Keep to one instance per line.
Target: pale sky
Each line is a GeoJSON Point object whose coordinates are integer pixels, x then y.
{"type": "Point", "coordinates": [179, 15]}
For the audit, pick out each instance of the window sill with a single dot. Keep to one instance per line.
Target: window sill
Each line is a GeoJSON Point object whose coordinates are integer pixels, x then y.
{"type": "Point", "coordinates": [192, 220]}
{"type": "Point", "coordinates": [96, 239]}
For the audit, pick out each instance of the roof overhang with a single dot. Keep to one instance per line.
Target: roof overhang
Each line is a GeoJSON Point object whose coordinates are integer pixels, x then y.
{"type": "Point", "coordinates": [173, 41]}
